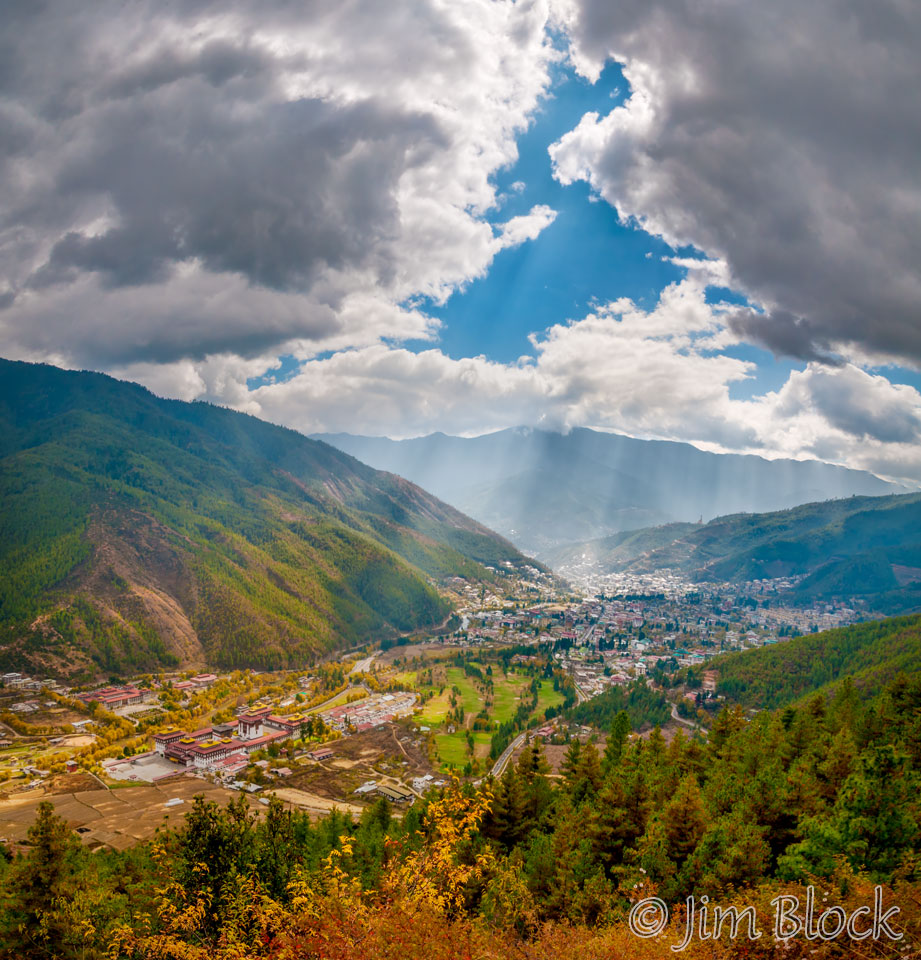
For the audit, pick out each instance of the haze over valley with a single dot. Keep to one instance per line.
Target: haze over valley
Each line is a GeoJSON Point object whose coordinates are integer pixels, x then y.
{"type": "Point", "coordinates": [546, 490]}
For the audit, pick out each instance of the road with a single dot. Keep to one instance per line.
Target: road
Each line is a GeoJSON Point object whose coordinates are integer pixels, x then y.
{"type": "Point", "coordinates": [499, 766]}
{"type": "Point", "coordinates": [679, 719]}
{"type": "Point", "coordinates": [363, 666]}
{"type": "Point", "coordinates": [502, 762]}
{"type": "Point", "coordinates": [336, 696]}
{"type": "Point", "coordinates": [8, 732]}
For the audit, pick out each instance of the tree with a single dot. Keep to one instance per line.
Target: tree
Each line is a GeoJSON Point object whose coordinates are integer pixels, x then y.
{"type": "Point", "coordinates": [34, 927]}
{"type": "Point", "coordinates": [684, 820]}
{"type": "Point", "coordinates": [571, 761]}
{"type": "Point", "coordinates": [617, 737]}
{"type": "Point", "coordinates": [872, 823]}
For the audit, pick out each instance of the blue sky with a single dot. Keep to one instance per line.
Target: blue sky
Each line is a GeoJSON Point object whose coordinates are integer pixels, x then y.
{"type": "Point", "coordinates": [585, 256]}
{"type": "Point", "coordinates": [229, 193]}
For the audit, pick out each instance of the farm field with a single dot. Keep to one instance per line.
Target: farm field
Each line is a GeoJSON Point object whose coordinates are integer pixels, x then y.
{"type": "Point", "coordinates": [102, 817]}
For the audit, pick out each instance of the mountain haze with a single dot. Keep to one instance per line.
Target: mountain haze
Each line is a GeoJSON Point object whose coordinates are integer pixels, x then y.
{"type": "Point", "coordinates": [138, 532]}
{"type": "Point", "coordinates": [543, 489]}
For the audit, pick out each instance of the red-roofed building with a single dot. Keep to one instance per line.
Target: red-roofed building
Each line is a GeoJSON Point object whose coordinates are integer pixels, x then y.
{"type": "Point", "coordinates": [113, 697]}
{"type": "Point", "coordinates": [249, 724]}
{"type": "Point", "coordinates": [165, 739]}
{"type": "Point", "coordinates": [260, 743]}
{"type": "Point", "coordinates": [206, 755]}
{"type": "Point", "coordinates": [204, 679]}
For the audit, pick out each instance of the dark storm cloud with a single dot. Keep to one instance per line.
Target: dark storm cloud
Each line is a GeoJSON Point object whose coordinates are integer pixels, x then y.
{"type": "Point", "coordinates": [134, 148]}
{"type": "Point", "coordinates": [783, 334]}
{"type": "Point", "coordinates": [277, 196]}
{"type": "Point", "coordinates": [782, 137]}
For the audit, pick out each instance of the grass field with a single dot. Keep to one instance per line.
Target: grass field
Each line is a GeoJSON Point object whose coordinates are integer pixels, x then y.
{"type": "Point", "coordinates": [339, 700]}
{"type": "Point", "coordinates": [406, 679]}
{"type": "Point", "coordinates": [507, 693]}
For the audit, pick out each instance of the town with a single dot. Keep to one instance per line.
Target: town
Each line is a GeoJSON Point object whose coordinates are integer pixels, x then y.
{"type": "Point", "coordinates": [393, 721]}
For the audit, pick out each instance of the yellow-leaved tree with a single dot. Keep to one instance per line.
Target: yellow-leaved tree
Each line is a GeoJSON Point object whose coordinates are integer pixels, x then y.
{"type": "Point", "coordinates": [440, 874]}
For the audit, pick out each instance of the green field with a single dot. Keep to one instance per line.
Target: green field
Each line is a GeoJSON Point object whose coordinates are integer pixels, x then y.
{"type": "Point", "coordinates": [338, 701]}
{"type": "Point", "coordinates": [506, 698]}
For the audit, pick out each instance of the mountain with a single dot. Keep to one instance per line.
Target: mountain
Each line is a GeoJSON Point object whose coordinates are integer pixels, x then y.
{"type": "Point", "coordinates": [866, 547]}
{"type": "Point", "coordinates": [138, 532]}
{"type": "Point", "coordinates": [543, 490]}
{"type": "Point", "coordinates": [871, 655]}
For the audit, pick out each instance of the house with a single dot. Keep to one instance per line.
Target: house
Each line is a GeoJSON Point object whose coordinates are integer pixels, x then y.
{"type": "Point", "coordinates": [395, 794]}
{"type": "Point", "coordinates": [321, 753]}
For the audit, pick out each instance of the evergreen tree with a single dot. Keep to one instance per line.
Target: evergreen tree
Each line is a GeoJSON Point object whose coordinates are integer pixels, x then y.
{"type": "Point", "coordinates": [617, 738]}
{"type": "Point", "coordinates": [31, 923]}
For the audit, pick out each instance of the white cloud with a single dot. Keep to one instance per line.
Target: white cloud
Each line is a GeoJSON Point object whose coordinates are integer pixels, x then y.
{"type": "Point", "coordinates": [780, 137]}
{"type": "Point", "coordinates": [199, 179]}
{"type": "Point", "coordinates": [648, 373]}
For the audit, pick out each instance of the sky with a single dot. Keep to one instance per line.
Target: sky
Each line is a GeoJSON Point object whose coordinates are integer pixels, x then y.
{"type": "Point", "coordinates": [698, 222]}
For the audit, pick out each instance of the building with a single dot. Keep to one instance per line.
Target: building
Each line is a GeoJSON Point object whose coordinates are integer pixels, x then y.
{"type": "Point", "coordinates": [394, 793]}
{"type": "Point", "coordinates": [206, 755]}
{"type": "Point", "coordinates": [166, 739]}
{"type": "Point", "coordinates": [113, 697]}
{"type": "Point", "coordinates": [321, 753]}
{"type": "Point", "coordinates": [249, 724]}
{"type": "Point", "coordinates": [204, 679]}
{"type": "Point", "coordinates": [290, 725]}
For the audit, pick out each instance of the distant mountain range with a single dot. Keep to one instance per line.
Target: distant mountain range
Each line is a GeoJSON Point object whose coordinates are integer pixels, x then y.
{"type": "Point", "coordinates": [137, 532]}
{"type": "Point", "coordinates": [544, 490]}
{"type": "Point", "coordinates": [866, 547]}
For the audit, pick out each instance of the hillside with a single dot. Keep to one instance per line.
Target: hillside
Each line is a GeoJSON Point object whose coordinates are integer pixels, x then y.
{"type": "Point", "coordinates": [872, 654]}
{"type": "Point", "coordinates": [138, 532]}
{"type": "Point", "coordinates": [619, 548]}
{"type": "Point", "coordinates": [545, 490]}
{"type": "Point", "coordinates": [867, 547]}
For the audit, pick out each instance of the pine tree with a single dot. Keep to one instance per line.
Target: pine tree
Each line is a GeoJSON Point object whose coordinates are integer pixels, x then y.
{"type": "Point", "coordinates": [617, 738]}
{"type": "Point", "coordinates": [571, 761]}
{"type": "Point", "coordinates": [587, 775]}
{"type": "Point", "coordinates": [684, 820]}
{"type": "Point", "coordinates": [34, 927]}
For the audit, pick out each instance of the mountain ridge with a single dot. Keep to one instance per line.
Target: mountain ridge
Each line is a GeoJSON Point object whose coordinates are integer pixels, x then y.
{"type": "Point", "coordinates": [605, 483]}
{"type": "Point", "coordinates": [138, 532]}
{"type": "Point", "coordinates": [867, 547]}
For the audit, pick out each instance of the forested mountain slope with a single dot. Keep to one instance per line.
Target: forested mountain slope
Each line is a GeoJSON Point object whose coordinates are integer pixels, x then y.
{"type": "Point", "coordinates": [871, 654]}
{"type": "Point", "coordinates": [867, 547]}
{"type": "Point", "coordinates": [137, 531]}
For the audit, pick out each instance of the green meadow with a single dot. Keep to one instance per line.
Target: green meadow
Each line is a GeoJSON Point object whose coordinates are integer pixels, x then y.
{"type": "Point", "coordinates": [507, 693]}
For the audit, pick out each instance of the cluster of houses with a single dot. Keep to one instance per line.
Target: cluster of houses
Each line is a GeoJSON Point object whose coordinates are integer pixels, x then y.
{"type": "Point", "coordinates": [19, 681]}
{"type": "Point", "coordinates": [371, 711]}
